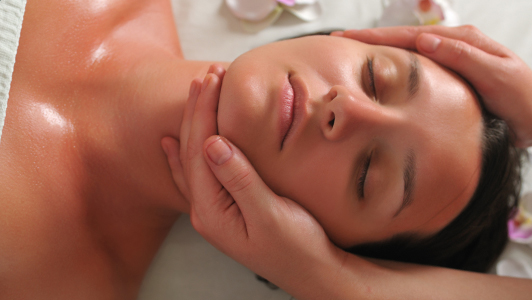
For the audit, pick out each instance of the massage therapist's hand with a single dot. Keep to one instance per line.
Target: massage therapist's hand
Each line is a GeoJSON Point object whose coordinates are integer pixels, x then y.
{"type": "Point", "coordinates": [234, 210]}
{"type": "Point", "coordinates": [502, 79]}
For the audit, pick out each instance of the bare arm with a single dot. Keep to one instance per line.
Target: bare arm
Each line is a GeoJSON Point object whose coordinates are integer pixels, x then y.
{"type": "Point", "coordinates": [360, 279]}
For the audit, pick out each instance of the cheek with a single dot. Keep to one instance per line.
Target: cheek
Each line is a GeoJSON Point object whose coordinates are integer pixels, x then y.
{"type": "Point", "coordinates": [318, 182]}
{"type": "Point", "coordinates": [241, 108]}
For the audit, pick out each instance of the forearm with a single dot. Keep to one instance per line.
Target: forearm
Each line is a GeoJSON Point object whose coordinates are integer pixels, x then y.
{"type": "Point", "coordinates": [358, 278]}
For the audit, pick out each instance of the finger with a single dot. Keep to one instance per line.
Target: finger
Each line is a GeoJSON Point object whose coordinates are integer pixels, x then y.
{"type": "Point", "coordinates": [238, 177]}
{"type": "Point", "coordinates": [406, 36]}
{"type": "Point", "coordinates": [470, 62]}
{"type": "Point", "coordinates": [204, 122]}
{"type": "Point", "coordinates": [203, 125]}
{"type": "Point", "coordinates": [218, 70]}
{"type": "Point", "coordinates": [195, 88]}
{"type": "Point", "coordinates": [186, 123]}
{"type": "Point", "coordinates": [171, 148]}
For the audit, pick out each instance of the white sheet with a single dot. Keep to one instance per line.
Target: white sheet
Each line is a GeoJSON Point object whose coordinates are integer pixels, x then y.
{"type": "Point", "coordinates": [209, 32]}
{"type": "Point", "coordinates": [189, 268]}
{"type": "Point", "coordinates": [11, 15]}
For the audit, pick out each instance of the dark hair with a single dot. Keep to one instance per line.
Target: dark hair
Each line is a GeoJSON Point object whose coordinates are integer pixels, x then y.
{"type": "Point", "coordinates": [477, 236]}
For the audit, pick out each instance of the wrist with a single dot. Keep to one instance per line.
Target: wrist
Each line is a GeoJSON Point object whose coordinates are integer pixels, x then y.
{"type": "Point", "coordinates": [331, 275]}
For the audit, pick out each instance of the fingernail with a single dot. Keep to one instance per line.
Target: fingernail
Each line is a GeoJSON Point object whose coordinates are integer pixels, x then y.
{"type": "Point", "coordinates": [219, 71]}
{"type": "Point", "coordinates": [429, 43]}
{"type": "Point", "coordinates": [206, 82]}
{"type": "Point", "coordinates": [219, 152]}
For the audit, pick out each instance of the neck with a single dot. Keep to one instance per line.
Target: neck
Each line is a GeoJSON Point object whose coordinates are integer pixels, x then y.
{"type": "Point", "coordinates": [133, 199]}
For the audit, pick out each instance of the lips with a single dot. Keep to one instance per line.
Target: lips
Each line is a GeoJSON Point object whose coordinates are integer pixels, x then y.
{"type": "Point", "coordinates": [293, 98]}
{"type": "Point", "coordinates": [286, 109]}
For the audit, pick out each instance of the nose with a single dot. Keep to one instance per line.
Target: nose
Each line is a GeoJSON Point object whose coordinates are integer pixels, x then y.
{"type": "Point", "coordinates": [347, 112]}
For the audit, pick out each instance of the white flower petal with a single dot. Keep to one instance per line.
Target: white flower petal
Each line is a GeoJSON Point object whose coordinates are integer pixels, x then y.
{"type": "Point", "coordinates": [515, 266]}
{"type": "Point", "coordinates": [406, 12]}
{"type": "Point", "coordinates": [431, 14]}
{"type": "Point", "coordinates": [252, 10]}
{"type": "Point", "coordinates": [306, 2]}
{"type": "Point", "coordinates": [287, 2]}
{"type": "Point", "coordinates": [254, 27]}
{"type": "Point", "coordinates": [306, 12]}
{"type": "Point", "coordinates": [451, 16]}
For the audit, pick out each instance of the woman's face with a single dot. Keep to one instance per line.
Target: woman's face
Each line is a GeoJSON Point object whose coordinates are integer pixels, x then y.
{"type": "Point", "coordinates": [373, 141]}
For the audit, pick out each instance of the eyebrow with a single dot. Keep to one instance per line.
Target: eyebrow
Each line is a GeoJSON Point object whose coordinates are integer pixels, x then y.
{"type": "Point", "coordinates": [409, 176]}
{"type": "Point", "coordinates": [413, 78]}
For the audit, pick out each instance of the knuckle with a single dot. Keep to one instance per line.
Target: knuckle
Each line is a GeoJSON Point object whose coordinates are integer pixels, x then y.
{"type": "Point", "coordinates": [460, 50]}
{"type": "Point", "coordinates": [500, 78]}
{"type": "Point", "coordinates": [240, 179]}
{"type": "Point", "coordinates": [470, 28]}
{"type": "Point", "coordinates": [411, 31]}
{"type": "Point", "coordinates": [192, 151]}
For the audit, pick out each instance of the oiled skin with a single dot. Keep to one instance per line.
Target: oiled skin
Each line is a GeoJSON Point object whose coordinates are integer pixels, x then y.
{"type": "Point", "coordinates": [87, 196]}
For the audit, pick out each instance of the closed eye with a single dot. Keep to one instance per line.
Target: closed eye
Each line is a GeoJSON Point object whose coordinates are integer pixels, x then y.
{"type": "Point", "coordinates": [362, 177]}
{"type": "Point", "coordinates": [371, 77]}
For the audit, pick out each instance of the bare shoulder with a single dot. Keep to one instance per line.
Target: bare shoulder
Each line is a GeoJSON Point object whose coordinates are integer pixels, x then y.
{"type": "Point", "coordinates": [73, 38]}
{"type": "Point", "coordinates": [46, 250]}
{"type": "Point", "coordinates": [44, 239]}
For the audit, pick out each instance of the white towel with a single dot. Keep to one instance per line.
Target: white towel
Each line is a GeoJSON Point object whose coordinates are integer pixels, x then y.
{"type": "Point", "coordinates": [11, 15]}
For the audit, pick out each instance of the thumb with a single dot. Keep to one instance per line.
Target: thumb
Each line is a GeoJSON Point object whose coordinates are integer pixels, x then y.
{"type": "Point", "coordinates": [469, 61]}
{"type": "Point", "coordinates": [237, 175]}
